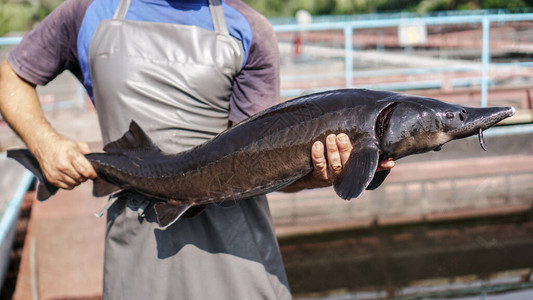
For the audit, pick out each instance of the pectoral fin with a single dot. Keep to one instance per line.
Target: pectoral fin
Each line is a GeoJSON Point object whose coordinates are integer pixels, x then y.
{"type": "Point", "coordinates": [358, 171]}
{"type": "Point", "coordinates": [169, 212]}
{"type": "Point", "coordinates": [379, 177]}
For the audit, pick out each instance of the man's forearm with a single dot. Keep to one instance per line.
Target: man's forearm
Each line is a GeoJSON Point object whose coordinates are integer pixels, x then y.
{"type": "Point", "coordinates": [62, 160]}
{"type": "Point", "coordinates": [21, 109]}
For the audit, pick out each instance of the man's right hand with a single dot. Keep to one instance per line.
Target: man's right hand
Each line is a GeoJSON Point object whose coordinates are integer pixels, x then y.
{"type": "Point", "coordinates": [63, 162]}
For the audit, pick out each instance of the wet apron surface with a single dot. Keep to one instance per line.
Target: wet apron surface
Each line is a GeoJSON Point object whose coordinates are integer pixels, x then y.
{"type": "Point", "coordinates": [173, 80]}
{"type": "Point", "coordinates": [176, 81]}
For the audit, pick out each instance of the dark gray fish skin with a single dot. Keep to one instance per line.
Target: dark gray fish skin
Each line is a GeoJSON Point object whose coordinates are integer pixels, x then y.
{"type": "Point", "coordinates": [271, 150]}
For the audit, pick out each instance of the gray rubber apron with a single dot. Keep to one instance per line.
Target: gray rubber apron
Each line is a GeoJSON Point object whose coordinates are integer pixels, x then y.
{"type": "Point", "coordinates": [176, 81]}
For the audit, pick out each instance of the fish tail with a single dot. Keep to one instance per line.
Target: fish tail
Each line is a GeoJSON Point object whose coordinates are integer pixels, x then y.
{"type": "Point", "coordinates": [45, 189]}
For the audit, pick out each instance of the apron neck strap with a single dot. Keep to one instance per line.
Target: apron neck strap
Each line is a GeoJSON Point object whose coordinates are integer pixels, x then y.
{"type": "Point", "coordinates": [215, 7]}
{"type": "Point", "coordinates": [122, 9]}
{"type": "Point", "coordinates": [217, 15]}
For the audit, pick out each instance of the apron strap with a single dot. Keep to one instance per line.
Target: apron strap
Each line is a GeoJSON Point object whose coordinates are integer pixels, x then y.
{"type": "Point", "coordinates": [122, 9]}
{"type": "Point", "coordinates": [215, 7]}
{"type": "Point", "coordinates": [217, 15]}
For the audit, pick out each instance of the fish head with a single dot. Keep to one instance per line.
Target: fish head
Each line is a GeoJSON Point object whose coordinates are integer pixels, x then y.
{"type": "Point", "coordinates": [474, 120]}
{"type": "Point", "coordinates": [416, 124]}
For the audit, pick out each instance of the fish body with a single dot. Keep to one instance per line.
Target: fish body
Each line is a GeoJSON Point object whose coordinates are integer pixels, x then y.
{"type": "Point", "coordinates": [271, 149]}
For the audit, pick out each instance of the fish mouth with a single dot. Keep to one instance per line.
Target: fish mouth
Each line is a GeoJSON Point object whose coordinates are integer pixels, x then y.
{"type": "Point", "coordinates": [480, 119]}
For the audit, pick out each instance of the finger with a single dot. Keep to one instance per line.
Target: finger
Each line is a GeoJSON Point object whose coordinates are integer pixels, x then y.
{"type": "Point", "coordinates": [82, 165]}
{"type": "Point", "coordinates": [62, 185]}
{"type": "Point", "coordinates": [69, 174]}
{"type": "Point", "coordinates": [345, 147]}
{"type": "Point", "coordinates": [334, 159]}
{"type": "Point", "coordinates": [386, 165]}
{"type": "Point", "coordinates": [84, 168]}
{"type": "Point", "coordinates": [65, 182]}
{"type": "Point", "coordinates": [63, 176]}
{"type": "Point", "coordinates": [69, 183]}
{"type": "Point", "coordinates": [320, 167]}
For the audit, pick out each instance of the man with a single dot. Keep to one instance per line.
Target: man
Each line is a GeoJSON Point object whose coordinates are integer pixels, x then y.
{"type": "Point", "coordinates": [181, 69]}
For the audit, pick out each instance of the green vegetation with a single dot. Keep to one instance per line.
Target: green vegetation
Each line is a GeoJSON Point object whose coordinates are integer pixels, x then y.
{"type": "Point", "coordinates": [21, 15]}
{"type": "Point", "coordinates": [279, 8]}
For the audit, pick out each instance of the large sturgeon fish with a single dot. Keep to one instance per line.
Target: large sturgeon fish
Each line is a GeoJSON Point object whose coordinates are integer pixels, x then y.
{"type": "Point", "coordinates": [271, 149]}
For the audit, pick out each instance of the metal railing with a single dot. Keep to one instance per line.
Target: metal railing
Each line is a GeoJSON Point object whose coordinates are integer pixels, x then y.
{"type": "Point", "coordinates": [9, 211]}
{"type": "Point", "coordinates": [12, 209]}
{"type": "Point", "coordinates": [397, 15]}
{"type": "Point", "coordinates": [349, 27]}
{"type": "Point", "coordinates": [9, 41]}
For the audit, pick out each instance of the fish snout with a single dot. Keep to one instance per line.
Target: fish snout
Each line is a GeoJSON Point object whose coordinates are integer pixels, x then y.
{"type": "Point", "coordinates": [485, 117]}
{"type": "Point", "coordinates": [474, 119]}
{"type": "Point", "coordinates": [477, 119]}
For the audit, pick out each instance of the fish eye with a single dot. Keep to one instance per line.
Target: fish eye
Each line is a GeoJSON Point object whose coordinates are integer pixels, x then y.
{"type": "Point", "coordinates": [450, 115]}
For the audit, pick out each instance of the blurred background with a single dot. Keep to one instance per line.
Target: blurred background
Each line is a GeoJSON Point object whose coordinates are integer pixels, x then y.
{"type": "Point", "coordinates": [454, 224]}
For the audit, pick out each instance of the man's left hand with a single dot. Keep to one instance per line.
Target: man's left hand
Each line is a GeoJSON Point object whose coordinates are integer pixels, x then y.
{"type": "Point", "coordinates": [337, 151]}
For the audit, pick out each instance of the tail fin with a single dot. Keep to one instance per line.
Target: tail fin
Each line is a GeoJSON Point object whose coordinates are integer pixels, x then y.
{"type": "Point", "coordinates": [45, 189]}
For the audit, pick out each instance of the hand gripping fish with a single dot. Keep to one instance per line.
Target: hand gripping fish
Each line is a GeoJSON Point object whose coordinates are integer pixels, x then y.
{"type": "Point", "coordinates": [271, 149]}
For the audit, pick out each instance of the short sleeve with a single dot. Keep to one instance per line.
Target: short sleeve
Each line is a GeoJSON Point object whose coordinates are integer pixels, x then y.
{"type": "Point", "coordinates": [51, 47]}
{"type": "Point", "coordinates": [256, 87]}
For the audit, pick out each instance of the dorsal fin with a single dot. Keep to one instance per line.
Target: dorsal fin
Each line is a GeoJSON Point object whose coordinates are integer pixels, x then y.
{"type": "Point", "coordinates": [133, 139]}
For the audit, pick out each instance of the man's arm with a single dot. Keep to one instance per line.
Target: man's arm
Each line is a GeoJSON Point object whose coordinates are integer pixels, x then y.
{"type": "Point", "coordinates": [62, 160]}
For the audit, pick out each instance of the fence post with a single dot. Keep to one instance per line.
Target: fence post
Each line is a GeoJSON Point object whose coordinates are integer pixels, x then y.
{"type": "Point", "coordinates": [348, 56]}
{"type": "Point", "coordinates": [485, 60]}
{"type": "Point", "coordinates": [9, 41]}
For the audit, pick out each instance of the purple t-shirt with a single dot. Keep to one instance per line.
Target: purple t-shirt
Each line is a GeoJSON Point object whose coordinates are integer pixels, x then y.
{"type": "Point", "coordinates": [61, 42]}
